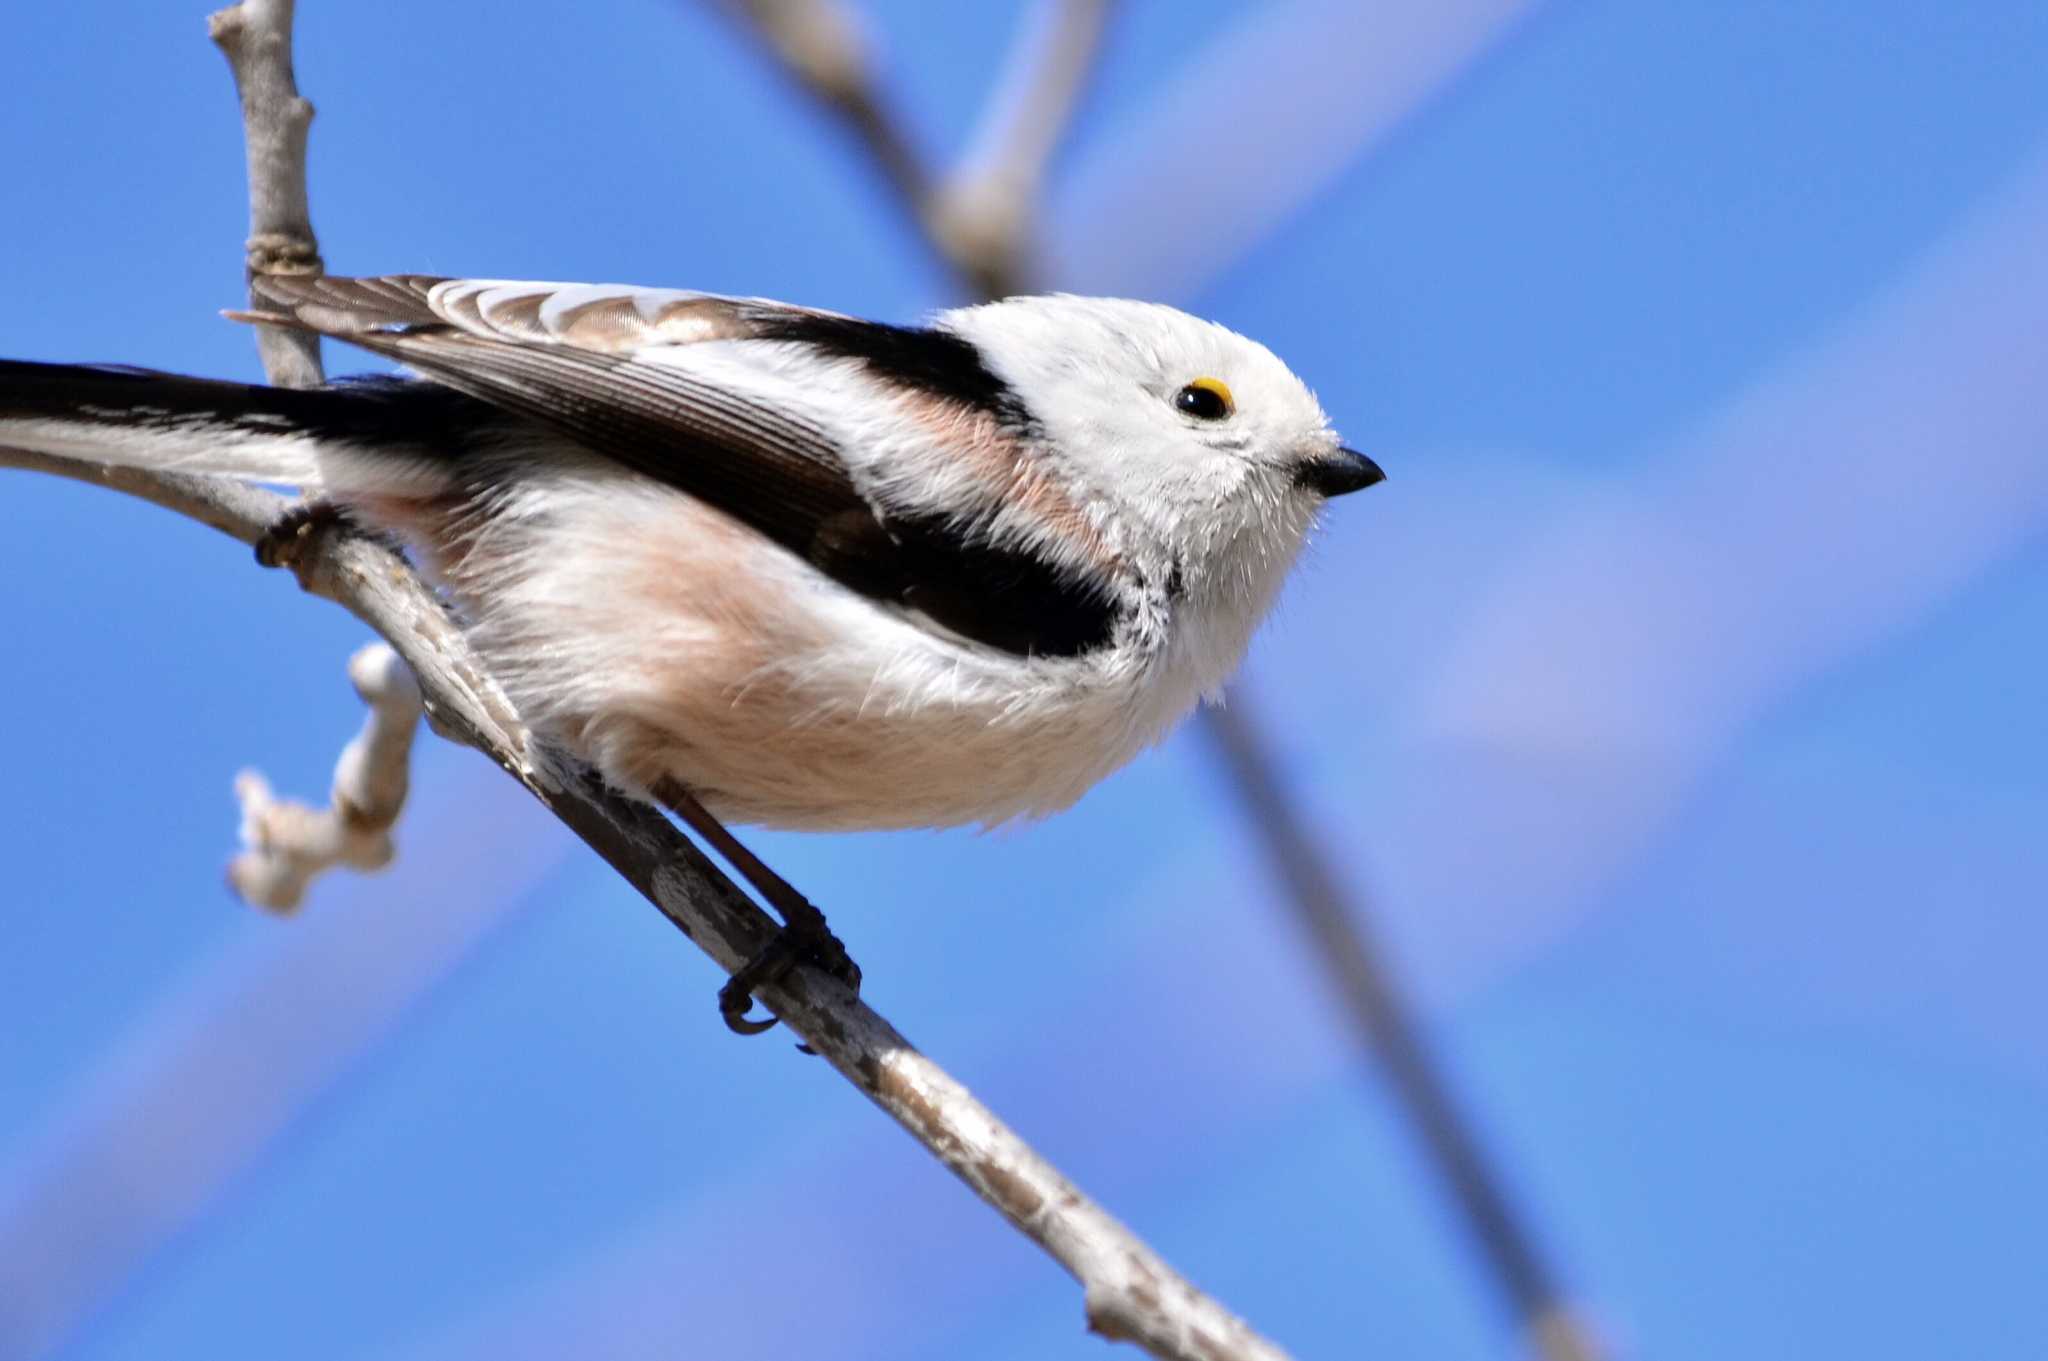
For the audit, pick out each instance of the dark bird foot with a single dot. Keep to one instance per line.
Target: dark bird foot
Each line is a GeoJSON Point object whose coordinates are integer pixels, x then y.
{"type": "Point", "coordinates": [283, 541]}
{"type": "Point", "coordinates": [805, 942]}
{"type": "Point", "coordinates": [803, 939]}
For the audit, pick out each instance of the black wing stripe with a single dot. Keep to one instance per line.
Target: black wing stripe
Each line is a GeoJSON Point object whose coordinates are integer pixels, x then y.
{"type": "Point", "coordinates": [923, 359]}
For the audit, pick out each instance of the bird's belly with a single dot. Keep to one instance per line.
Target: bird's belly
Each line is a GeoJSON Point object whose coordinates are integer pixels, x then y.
{"type": "Point", "coordinates": [697, 651]}
{"type": "Point", "coordinates": [771, 749]}
{"type": "Point", "coordinates": [929, 769]}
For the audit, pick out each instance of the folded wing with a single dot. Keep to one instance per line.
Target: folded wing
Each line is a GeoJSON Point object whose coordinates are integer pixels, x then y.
{"type": "Point", "coordinates": [574, 357]}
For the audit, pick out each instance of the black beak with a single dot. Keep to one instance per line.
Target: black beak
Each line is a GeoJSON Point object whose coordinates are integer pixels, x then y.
{"type": "Point", "coordinates": [1344, 471]}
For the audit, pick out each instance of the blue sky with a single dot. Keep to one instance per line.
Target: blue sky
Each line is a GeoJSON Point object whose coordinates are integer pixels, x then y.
{"type": "Point", "coordinates": [1676, 701]}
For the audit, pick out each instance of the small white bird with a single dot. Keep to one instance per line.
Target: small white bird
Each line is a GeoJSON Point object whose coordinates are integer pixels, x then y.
{"type": "Point", "coordinates": [816, 571]}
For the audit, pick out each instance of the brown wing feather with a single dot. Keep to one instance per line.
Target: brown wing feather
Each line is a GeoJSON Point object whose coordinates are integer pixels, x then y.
{"type": "Point", "coordinates": [769, 469]}
{"type": "Point", "coordinates": [342, 307]}
{"type": "Point", "coordinates": [605, 319]}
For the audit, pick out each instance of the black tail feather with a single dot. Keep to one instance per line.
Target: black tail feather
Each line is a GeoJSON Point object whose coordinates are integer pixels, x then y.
{"type": "Point", "coordinates": [372, 412]}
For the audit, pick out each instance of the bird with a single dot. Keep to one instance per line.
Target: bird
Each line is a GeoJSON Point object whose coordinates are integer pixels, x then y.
{"type": "Point", "coordinates": [768, 564]}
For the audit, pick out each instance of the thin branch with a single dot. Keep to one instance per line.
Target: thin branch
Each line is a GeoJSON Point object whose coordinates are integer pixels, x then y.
{"type": "Point", "coordinates": [985, 210]}
{"type": "Point", "coordinates": [256, 38]}
{"type": "Point", "coordinates": [989, 248]}
{"type": "Point", "coordinates": [287, 844]}
{"type": "Point", "coordinates": [976, 221]}
{"type": "Point", "coordinates": [1365, 985]}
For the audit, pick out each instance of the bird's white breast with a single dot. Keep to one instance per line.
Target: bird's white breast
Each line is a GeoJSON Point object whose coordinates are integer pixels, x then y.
{"type": "Point", "coordinates": [657, 637]}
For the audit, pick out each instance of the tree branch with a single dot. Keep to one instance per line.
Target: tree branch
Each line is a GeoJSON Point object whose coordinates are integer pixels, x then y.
{"type": "Point", "coordinates": [978, 219]}
{"type": "Point", "coordinates": [287, 844]}
{"type": "Point", "coordinates": [1366, 988]}
{"type": "Point", "coordinates": [985, 211]}
{"type": "Point", "coordinates": [256, 38]}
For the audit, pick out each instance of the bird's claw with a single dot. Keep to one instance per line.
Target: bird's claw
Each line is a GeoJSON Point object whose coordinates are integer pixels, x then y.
{"type": "Point", "coordinates": [805, 944]}
{"type": "Point", "coordinates": [281, 544]}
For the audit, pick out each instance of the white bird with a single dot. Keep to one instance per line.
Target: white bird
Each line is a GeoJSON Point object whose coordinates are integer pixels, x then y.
{"type": "Point", "coordinates": [817, 572]}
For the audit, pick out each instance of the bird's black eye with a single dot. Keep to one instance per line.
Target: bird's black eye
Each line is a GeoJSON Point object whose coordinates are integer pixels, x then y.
{"type": "Point", "coordinates": [1206, 399]}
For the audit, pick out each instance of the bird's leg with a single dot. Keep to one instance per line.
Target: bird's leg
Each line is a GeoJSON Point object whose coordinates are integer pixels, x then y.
{"type": "Point", "coordinates": [803, 939]}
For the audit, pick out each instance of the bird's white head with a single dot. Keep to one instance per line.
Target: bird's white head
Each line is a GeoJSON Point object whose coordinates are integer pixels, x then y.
{"type": "Point", "coordinates": [1207, 449]}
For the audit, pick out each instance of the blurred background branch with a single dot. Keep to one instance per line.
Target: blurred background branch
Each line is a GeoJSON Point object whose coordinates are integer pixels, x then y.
{"type": "Point", "coordinates": [1336, 926]}
{"type": "Point", "coordinates": [979, 217]}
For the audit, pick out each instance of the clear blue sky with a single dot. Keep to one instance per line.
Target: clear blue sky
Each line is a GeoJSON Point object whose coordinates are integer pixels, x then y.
{"type": "Point", "coordinates": [1677, 700]}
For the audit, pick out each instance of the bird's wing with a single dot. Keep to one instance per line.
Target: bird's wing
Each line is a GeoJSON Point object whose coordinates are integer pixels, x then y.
{"type": "Point", "coordinates": [579, 358]}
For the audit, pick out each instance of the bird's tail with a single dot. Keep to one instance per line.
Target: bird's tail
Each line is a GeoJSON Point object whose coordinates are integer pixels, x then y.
{"type": "Point", "coordinates": [370, 435]}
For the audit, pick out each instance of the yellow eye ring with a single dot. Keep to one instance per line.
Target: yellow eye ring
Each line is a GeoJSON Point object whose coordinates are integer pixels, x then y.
{"type": "Point", "coordinates": [1206, 399]}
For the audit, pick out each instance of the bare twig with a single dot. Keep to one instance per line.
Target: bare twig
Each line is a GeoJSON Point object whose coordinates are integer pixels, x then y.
{"type": "Point", "coordinates": [256, 37]}
{"type": "Point", "coordinates": [980, 224]}
{"type": "Point", "coordinates": [985, 209]}
{"type": "Point", "coordinates": [978, 219]}
{"type": "Point", "coordinates": [287, 844]}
